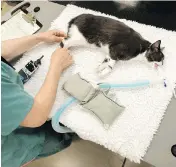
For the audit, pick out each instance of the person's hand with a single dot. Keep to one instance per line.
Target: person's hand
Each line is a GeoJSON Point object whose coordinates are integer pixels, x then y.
{"type": "Point", "coordinates": [61, 59]}
{"type": "Point", "coordinates": [52, 36]}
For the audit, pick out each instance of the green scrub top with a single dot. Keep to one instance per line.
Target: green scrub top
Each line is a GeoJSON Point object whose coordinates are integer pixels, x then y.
{"type": "Point", "coordinates": [20, 145]}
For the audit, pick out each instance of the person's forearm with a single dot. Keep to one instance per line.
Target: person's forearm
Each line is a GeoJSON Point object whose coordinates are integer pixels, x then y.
{"type": "Point", "coordinates": [14, 47]}
{"type": "Point", "coordinates": [45, 98]}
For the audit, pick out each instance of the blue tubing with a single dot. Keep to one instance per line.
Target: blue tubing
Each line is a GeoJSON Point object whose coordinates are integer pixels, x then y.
{"type": "Point", "coordinates": [55, 118]}
{"type": "Point", "coordinates": [71, 100]}
{"type": "Point", "coordinates": [129, 85]}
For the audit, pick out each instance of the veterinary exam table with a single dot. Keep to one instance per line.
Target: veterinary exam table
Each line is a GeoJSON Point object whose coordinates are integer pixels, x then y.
{"type": "Point", "coordinates": [159, 153]}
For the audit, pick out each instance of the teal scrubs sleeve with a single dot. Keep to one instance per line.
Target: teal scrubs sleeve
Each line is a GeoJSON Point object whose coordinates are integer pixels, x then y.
{"type": "Point", "coordinates": [18, 144]}
{"type": "Point", "coordinates": [16, 104]}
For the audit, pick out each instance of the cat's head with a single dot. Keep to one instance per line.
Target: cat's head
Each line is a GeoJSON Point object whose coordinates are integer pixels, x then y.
{"type": "Point", "coordinates": [154, 52]}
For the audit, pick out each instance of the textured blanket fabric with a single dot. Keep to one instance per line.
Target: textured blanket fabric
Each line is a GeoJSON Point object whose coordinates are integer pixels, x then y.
{"type": "Point", "coordinates": [131, 134]}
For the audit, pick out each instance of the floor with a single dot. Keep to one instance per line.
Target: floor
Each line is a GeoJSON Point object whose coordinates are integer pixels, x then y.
{"type": "Point", "coordinates": [84, 154]}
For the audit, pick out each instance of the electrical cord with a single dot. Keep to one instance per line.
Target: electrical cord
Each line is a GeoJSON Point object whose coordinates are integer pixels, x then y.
{"type": "Point", "coordinates": [124, 162]}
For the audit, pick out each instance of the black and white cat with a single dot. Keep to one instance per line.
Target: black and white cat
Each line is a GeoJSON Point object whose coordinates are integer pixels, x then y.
{"type": "Point", "coordinates": [117, 40]}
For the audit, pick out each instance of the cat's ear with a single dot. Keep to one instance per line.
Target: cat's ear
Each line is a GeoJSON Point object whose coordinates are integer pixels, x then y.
{"type": "Point", "coordinates": [156, 46]}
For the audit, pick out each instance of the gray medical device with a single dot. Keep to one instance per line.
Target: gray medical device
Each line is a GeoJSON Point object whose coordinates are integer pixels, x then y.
{"type": "Point", "coordinates": [95, 100]}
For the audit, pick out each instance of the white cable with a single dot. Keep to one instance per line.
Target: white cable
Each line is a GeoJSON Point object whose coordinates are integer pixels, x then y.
{"type": "Point", "coordinates": [168, 82]}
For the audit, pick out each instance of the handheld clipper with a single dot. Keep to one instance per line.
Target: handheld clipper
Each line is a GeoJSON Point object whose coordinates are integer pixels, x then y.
{"type": "Point", "coordinates": [29, 69]}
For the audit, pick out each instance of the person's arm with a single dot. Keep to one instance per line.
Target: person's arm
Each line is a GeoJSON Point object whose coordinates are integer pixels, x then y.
{"type": "Point", "coordinates": [14, 47]}
{"type": "Point", "coordinates": [45, 98]}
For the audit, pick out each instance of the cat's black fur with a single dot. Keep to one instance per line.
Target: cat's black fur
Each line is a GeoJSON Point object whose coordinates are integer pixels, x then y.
{"type": "Point", "coordinates": [124, 43]}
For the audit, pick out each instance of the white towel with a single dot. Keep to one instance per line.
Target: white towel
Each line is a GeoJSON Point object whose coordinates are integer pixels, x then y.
{"type": "Point", "coordinates": [131, 134]}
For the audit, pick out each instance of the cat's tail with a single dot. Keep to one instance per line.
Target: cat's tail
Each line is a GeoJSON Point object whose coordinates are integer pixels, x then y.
{"type": "Point", "coordinates": [65, 43]}
{"type": "Point", "coordinates": [61, 44]}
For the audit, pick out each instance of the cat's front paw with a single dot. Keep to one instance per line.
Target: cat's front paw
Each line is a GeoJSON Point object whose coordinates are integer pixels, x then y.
{"type": "Point", "coordinates": [104, 69]}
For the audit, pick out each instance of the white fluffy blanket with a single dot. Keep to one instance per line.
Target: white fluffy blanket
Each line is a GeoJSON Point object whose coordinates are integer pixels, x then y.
{"type": "Point", "coordinates": [131, 134]}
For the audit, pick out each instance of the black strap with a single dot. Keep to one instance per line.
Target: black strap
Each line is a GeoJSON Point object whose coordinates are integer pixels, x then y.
{"type": "Point", "coordinates": [6, 62]}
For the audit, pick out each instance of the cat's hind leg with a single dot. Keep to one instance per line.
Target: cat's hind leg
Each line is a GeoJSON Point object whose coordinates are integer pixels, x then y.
{"type": "Point", "coordinates": [106, 67]}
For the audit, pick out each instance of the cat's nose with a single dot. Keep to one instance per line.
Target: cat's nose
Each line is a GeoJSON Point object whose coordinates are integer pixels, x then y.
{"type": "Point", "coordinates": [159, 63]}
